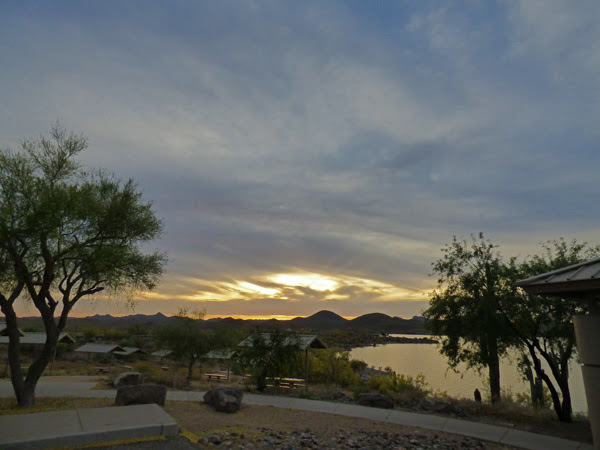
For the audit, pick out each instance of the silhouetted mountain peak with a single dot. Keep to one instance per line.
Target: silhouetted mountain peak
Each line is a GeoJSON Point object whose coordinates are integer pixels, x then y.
{"type": "Point", "coordinates": [327, 316]}
{"type": "Point", "coordinates": [371, 317]}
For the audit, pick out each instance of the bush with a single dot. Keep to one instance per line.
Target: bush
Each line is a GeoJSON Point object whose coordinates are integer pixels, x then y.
{"type": "Point", "coordinates": [358, 365]}
{"type": "Point", "coordinates": [103, 358]}
{"type": "Point", "coordinates": [176, 378]}
{"type": "Point", "coordinates": [330, 366]}
{"type": "Point", "coordinates": [148, 371]}
{"type": "Point", "coordinates": [393, 384]}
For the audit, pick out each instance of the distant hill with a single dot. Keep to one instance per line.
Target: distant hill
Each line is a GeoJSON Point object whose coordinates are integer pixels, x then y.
{"type": "Point", "coordinates": [383, 322]}
{"type": "Point", "coordinates": [321, 321]}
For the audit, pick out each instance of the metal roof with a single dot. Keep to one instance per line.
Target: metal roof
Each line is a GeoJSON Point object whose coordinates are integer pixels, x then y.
{"type": "Point", "coordinates": [220, 354]}
{"type": "Point", "coordinates": [4, 332]}
{"type": "Point", "coordinates": [129, 351]}
{"type": "Point", "coordinates": [39, 339]}
{"type": "Point", "coordinates": [577, 280]}
{"type": "Point", "coordinates": [162, 353]}
{"type": "Point", "coordinates": [303, 341]}
{"type": "Point", "coordinates": [99, 348]}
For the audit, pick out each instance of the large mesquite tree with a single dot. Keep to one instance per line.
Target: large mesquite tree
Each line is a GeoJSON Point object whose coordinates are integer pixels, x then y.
{"type": "Point", "coordinates": [466, 311]}
{"type": "Point", "coordinates": [65, 234]}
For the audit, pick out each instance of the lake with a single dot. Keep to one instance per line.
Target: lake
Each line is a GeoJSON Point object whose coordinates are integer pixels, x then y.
{"type": "Point", "coordinates": [414, 359]}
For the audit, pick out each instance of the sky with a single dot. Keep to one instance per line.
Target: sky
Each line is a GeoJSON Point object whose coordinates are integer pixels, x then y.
{"type": "Point", "coordinates": [318, 155]}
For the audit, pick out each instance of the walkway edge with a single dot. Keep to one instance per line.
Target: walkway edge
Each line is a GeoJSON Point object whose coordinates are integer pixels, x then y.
{"type": "Point", "coordinates": [478, 430]}
{"type": "Point", "coordinates": [76, 428]}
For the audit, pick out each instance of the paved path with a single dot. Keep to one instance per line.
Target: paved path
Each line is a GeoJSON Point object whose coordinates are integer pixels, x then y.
{"type": "Point", "coordinates": [81, 427]}
{"type": "Point", "coordinates": [493, 433]}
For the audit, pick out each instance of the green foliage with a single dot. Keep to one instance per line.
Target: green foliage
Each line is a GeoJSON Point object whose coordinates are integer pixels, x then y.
{"type": "Point", "coordinates": [479, 312]}
{"type": "Point", "coordinates": [66, 234]}
{"type": "Point", "coordinates": [358, 365]}
{"type": "Point", "coordinates": [331, 366]}
{"type": "Point", "coordinates": [543, 325]}
{"type": "Point", "coordinates": [90, 334]}
{"type": "Point", "coordinates": [395, 384]}
{"type": "Point", "coordinates": [272, 355]}
{"type": "Point", "coordinates": [103, 358]}
{"type": "Point", "coordinates": [186, 339]}
{"type": "Point", "coordinates": [152, 374]}
{"type": "Point", "coordinates": [148, 370]}
{"type": "Point", "coordinates": [465, 310]}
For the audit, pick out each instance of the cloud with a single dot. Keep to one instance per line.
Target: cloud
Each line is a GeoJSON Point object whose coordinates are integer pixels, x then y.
{"type": "Point", "coordinates": [284, 137]}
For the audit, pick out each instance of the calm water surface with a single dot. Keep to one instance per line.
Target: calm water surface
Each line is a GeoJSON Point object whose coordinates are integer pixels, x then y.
{"type": "Point", "coordinates": [414, 359]}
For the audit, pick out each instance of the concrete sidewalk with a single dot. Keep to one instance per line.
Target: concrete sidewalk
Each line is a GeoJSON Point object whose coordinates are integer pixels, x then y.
{"type": "Point", "coordinates": [57, 429]}
{"type": "Point", "coordinates": [492, 433]}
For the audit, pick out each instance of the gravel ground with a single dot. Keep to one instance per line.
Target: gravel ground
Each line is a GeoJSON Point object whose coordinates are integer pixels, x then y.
{"type": "Point", "coordinates": [264, 427]}
{"type": "Point", "coordinates": [175, 443]}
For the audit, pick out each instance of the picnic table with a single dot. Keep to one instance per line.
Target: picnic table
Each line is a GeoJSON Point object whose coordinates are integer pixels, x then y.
{"type": "Point", "coordinates": [286, 383]}
{"type": "Point", "coordinates": [216, 376]}
{"type": "Point", "coordinates": [102, 369]}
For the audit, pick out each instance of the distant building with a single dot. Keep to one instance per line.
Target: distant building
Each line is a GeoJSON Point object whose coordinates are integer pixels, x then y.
{"type": "Point", "coordinates": [130, 351]}
{"type": "Point", "coordinates": [99, 348]}
{"type": "Point", "coordinates": [37, 338]}
{"type": "Point", "coordinates": [4, 331]}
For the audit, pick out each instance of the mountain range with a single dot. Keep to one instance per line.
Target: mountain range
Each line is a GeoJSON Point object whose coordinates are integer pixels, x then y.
{"type": "Point", "coordinates": [322, 320]}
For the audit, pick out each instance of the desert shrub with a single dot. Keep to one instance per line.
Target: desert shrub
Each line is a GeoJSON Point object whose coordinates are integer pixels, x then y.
{"type": "Point", "coordinates": [395, 383]}
{"type": "Point", "coordinates": [103, 358]}
{"type": "Point", "coordinates": [331, 366]}
{"type": "Point", "coordinates": [148, 371]}
{"type": "Point", "coordinates": [175, 378]}
{"type": "Point", "coordinates": [358, 365]}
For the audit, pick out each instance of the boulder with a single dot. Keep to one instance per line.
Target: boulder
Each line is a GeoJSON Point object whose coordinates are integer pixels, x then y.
{"type": "Point", "coordinates": [141, 394]}
{"type": "Point", "coordinates": [128, 379]}
{"type": "Point", "coordinates": [375, 400]}
{"type": "Point", "coordinates": [227, 400]}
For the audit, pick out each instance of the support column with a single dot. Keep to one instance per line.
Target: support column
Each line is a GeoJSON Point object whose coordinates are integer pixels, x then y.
{"type": "Point", "coordinates": [587, 333]}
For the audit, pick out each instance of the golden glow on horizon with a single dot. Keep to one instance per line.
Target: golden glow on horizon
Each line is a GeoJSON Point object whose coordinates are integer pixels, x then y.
{"type": "Point", "coordinates": [290, 287]}
{"type": "Point", "coordinates": [251, 287]}
{"type": "Point", "coordinates": [251, 317]}
{"type": "Point", "coordinates": [314, 281]}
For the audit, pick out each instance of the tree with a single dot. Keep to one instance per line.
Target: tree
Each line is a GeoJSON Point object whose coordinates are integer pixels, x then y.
{"type": "Point", "coordinates": [66, 234]}
{"type": "Point", "coordinates": [543, 325]}
{"type": "Point", "coordinates": [186, 339]}
{"type": "Point", "coordinates": [269, 355]}
{"type": "Point", "coordinates": [465, 309]}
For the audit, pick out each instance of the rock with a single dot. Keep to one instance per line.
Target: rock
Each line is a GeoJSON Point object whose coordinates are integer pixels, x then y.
{"type": "Point", "coordinates": [227, 400]}
{"type": "Point", "coordinates": [375, 400]}
{"type": "Point", "coordinates": [141, 394]}
{"type": "Point", "coordinates": [128, 379]}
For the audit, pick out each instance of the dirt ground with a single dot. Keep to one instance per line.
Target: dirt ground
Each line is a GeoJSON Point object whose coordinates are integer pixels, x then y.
{"type": "Point", "coordinates": [256, 422]}
{"type": "Point", "coordinates": [250, 426]}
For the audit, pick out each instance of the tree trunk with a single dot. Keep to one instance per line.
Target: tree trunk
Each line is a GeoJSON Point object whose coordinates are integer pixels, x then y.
{"type": "Point", "coordinates": [25, 388]}
{"type": "Point", "coordinates": [563, 414]}
{"type": "Point", "coordinates": [567, 409]}
{"type": "Point", "coordinates": [190, 371]}
{"type": "Point", "coordinates": [14, 352]}
{"type": "Point", "coordinates": [494, 370]}
{"type": "Point", "coordinates": [26, 396]}
{"type": "Point", "coordinates": [494, 373]}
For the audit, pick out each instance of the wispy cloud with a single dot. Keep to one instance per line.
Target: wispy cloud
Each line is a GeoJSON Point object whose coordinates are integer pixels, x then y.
{"type": "Point", "coordinates": [320, 138]}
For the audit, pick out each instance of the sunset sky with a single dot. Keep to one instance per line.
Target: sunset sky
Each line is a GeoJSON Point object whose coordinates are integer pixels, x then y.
{"type": "Point", "coordinates": [317, 155]}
